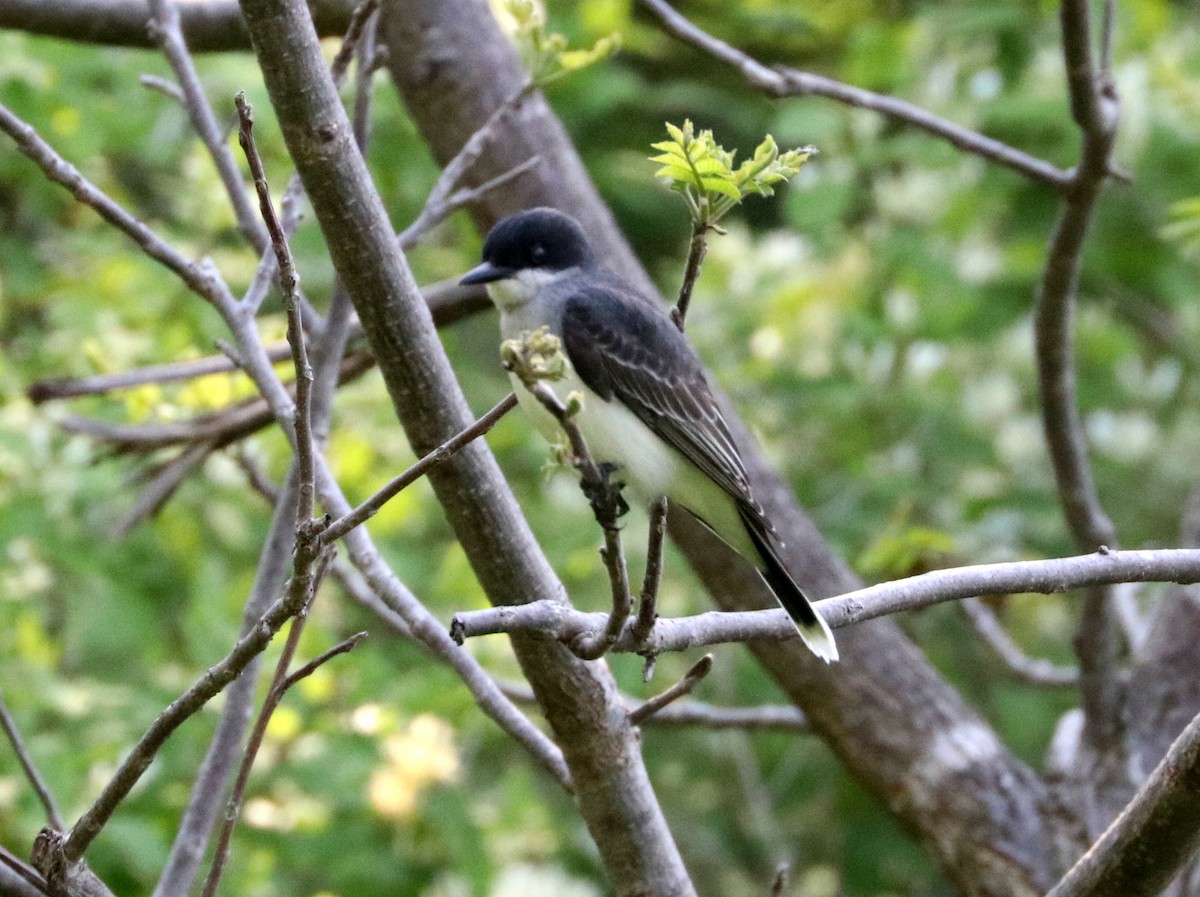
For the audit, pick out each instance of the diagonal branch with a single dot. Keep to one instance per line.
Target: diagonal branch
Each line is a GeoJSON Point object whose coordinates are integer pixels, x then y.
{"type": "Point", "coordinates": [780, 81]}
{"type": "Point", "coordinates": [1154, 836]}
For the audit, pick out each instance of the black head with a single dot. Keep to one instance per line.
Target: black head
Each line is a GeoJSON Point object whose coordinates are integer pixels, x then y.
{"type": "Point", "coordinates": [544, 239]}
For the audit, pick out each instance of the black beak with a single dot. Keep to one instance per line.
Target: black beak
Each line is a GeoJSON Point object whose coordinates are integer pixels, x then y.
{"type": "Point", "coordinates": [485, 273]}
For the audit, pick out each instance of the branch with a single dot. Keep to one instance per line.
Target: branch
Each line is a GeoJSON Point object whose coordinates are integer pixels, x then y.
{"type": "Point", "coordinates": [684, 686]}
{"type": "Point", "coordinates": [780, 81]}
{"type": "Point", "coordinates": [1156, 834]}
{"type": "Point", "coordinates": [1099, 643]}
{"type": "Point", "coordinates": [1035, 671]}
{"type": "Point", "coordinates": [439, 455]}
{"type": "Point", "coordinates": [202, 278]}
{"type": "Point", "coordinates": [615, 797]}
{"type": "Point", "coordinates": [31, 771]}
{"type": "Point", "coordinates": [209, 25]}
{"type": "Point", "coordinates": [190, 702]}
{"type": "Point", "coordinates": [288, 280]}
{"type": "Point", "coordinates": [766, 717]}
{"type": "Point", "coordinates": [914, 593]}
{"type": "Point", "coordinates": [165, 26]}
{"type": "Point", "coordinates": [205, 801]}
{"type": "Point", "coordinates": [597, 483]}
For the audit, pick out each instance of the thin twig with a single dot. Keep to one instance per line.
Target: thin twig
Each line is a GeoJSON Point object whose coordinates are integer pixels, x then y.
{"type": "Point", "coordinates": [163, 483]}
{"type": "Point", "coordinates": [22, 869]}
{"type": "Point", "coordinates": [1035, 671]}
{"type": "Point", "coordinates": [31, 771]}
{"type": "Point", "coordinates": [436, 208]}
{"type": "Point", "coordinates": [762, 718]}
{"type": "Point", "coordinates": [190, 702]}
{"type": "Point", "coordinates": [684, 686]}
{"type": "Point", "coordinates": [202, 278]}
{"type": "Point", "coordinates": [916, 592]}
{"type": "Point", "coordinates": [171, 372]}
{"type": "Point", "coordinates": [780, 81]}
{"type": "Point", "coordinates": [648, 603]}
{"type": "Point", "coordinates": [164, 25]}
{"type": "Point", "coordinates": [288, 279]}
{"type": "Point", "coordinates": [697, 249]}
{"type": "Point", "coordinates": [439, 455]}
{"type": "Point", "coordinates": [163, 86]}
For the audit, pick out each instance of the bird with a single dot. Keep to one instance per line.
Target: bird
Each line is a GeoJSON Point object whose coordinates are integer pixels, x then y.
{"type": "Point", "coordinates": [648, 410]}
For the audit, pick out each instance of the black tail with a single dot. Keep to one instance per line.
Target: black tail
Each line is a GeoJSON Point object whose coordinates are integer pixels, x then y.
{"type": "Point", "coordinates": [813, 630]}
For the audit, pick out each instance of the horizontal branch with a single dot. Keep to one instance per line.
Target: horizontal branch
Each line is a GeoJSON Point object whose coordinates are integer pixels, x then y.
{"type": "Point", "coordinates": [780, 81]}
{"type": "Point", "coordinates": [208, 25]}
{"type": "Point", "coordinates": [679, 634]}
{"type": "Point", "coordinates": [687, 712]}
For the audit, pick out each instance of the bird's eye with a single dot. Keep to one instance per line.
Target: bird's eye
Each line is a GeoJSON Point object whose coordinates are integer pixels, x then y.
{"type": "Point", "coordinates": [538, 253]}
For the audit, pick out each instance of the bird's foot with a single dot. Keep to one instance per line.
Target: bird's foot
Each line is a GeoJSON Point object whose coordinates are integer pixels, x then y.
{"type": "Point", "coordinates": [605, 496]}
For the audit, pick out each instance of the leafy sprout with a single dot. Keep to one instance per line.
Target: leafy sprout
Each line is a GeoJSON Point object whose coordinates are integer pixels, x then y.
{"type": "Point", "coordinates": [545, 53]}
{"type": "Point", "coordinates": [702, 171]}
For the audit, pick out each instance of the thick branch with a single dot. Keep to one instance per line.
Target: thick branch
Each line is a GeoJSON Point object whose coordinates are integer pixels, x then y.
{"type": "Point", "coordinates": [208, 25]}
{"type": "Point", "coordinates": [615, 795]}
{"type": "Point", "coordinates": [1155, 835]}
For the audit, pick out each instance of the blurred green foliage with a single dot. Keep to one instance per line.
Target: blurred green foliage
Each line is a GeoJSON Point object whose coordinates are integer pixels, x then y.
{"type": "Point", "coordinates": [872, 322]}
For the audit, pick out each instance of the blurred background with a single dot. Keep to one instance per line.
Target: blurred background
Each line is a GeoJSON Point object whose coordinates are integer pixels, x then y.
{"type": "Point", "coordinates": [872, 323]}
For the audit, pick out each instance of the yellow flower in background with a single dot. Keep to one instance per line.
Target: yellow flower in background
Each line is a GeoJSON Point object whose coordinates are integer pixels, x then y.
{"type": "Point", "coordinates": [422, 755]}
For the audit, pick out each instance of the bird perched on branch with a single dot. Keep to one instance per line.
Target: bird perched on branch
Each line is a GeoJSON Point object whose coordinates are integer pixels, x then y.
{"type": "Point", "coordinates": [647, 406]}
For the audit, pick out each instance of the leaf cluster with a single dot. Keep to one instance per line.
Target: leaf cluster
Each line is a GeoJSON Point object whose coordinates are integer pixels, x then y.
{"type": "Point", "coordinates": [703, 173]}
{"type": "Point", "coordinates": [546, 53]}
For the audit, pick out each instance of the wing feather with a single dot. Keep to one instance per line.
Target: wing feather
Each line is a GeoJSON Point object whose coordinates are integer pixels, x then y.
{"type": "Point", "coordinates": [627, 348]}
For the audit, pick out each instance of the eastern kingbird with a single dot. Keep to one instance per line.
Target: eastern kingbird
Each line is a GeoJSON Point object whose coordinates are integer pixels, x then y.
{"type": "Point", "coordinates": [647, 406]}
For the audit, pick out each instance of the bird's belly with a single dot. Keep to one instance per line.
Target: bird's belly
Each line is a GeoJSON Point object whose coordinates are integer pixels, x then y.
{"type": "Point", "coordinates": [647, 465]}
{"type": "Point", "coordinates": [614, 435]}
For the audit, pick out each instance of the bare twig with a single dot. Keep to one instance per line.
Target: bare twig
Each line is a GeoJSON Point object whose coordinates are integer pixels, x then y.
{"type": "Point", "coordinates": [914, 593]}
{"type": "Point", "coordinates": [697, 249]}
{"type": "Point", "coordinates": [684, 686]}
{"type": "Point", "coordinates": [288, 280]}
{"type": "Point", "coordinates": [23, 880]}
{"type": "Point", "coordinates": [165, 26]}
{"type": "Point", "coordinates": [31, 771]}
{"type": "Point", "coordinates": [443, 452]}
{"type": "Point", "coordinates": [163, 86]}
{"type": "Point", "coordinates": [1153, 837]}
{"type": "Point", "coordinates": [201, 692]}
{"type": "Point", "coordinates": [225, 747]}
{"type": "Point", "coordinates": [171, 372]}
{"type": "Point", "coordinates": [648, 604]}
{"type": "Point", "coordinates": [163, 483]}
{"type": "Point", "coordinates": [779, 81]}
{"type": "Point", "coordinates": [1035, 671]}
{"type": "Point", "coordinates": [765, 717]}
{"type": "Point", "coordinates": [283, 681]}
{"type": "Point", "coordinates": [440, 204]}
{"type": "Point", "coordinates": [201, 278]}
{"type": "Point", "coordinates": [210, 26]}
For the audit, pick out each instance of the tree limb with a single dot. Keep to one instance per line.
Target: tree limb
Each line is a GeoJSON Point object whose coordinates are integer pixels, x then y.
{"type": "Point", "coordinates": [781, 81]}
{"type": "Point", "coordinates": [208, 25]}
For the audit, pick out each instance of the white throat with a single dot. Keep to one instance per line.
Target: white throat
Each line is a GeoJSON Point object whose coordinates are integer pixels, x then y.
{"type": "Point", "coordinates": [520, 289]}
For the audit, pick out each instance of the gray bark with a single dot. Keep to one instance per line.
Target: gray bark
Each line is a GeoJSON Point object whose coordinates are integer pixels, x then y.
{"type": "Point", "coordinates": [579, 699]}
{"type": "Point", "coordinates": [901, 729]}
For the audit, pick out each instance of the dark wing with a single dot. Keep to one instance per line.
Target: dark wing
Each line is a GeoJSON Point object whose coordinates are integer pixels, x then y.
{"type": "Point", "coordinates": [626, 348]}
